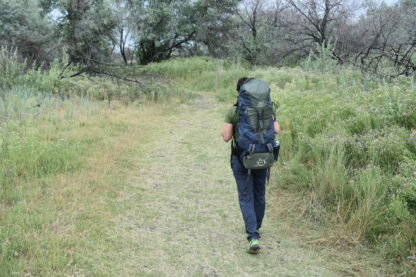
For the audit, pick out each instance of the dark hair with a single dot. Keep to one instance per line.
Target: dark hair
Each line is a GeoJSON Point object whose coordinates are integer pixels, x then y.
{"type": "Point", "coordinates": [240, 82]}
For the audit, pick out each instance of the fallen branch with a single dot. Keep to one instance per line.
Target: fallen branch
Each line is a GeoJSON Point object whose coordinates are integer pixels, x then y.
{"type": "Point", "coordinates": [117, 77]}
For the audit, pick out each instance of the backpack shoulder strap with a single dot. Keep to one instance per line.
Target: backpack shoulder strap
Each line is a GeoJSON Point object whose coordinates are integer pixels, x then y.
{"type": "Point", "coordinates": [274, 110]}
{"type": "Point", "coordinates": [236, 109]}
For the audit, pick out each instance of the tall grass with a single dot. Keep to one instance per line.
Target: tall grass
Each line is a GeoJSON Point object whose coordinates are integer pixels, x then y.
{"type": "Point", "coordinates": [30, 146]}
{"type": "Point", "coordinates": [353, 145]}
{"type": "Point", "coordinates": [16, 73]}
{"type": "Point", "coordinates": [54, 81]}
{"type": "Point", "coordinates": [347, 139]}
{"type": "Point", "coordinates": [34, 149]}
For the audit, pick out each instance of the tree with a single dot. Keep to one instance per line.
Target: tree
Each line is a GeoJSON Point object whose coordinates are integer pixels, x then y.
{"type": "Point", "coordinates": [215, 25]}
{"type": "Point", "coordinates": [166, 27]}
{"type": "Point", "coordinates": [123, 28]}
{"type": "Point", "coordinates": [408, 4]}
{"type": "Point", "coordinates": [384, 41]}
{"type": "Point", "coordinates": [87, 28]}
{"type": "Point", "coordinates": [256, 34]}
{"type": "Point", "coordinates": [249, 15]}
{"type": "Point", "coordinates": [318, 15]}
{"type": "Point", "coordinates": [319, 23]}
{"type": "Point", "coordinates": [161, 27]}
{"type": "Point", "coordinates": [23, 27]}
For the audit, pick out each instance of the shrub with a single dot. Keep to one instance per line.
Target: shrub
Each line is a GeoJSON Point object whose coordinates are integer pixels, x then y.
{"type": "Point", "coordinates": [16, 73]}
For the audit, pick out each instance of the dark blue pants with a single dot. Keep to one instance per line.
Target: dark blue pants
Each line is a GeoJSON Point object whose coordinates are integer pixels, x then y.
{"type": "Point", "coordinates": [251, 195]}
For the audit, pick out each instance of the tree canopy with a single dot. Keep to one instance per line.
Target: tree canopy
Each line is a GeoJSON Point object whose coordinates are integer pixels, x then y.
{"type": "Point", "coordinates": [367, 34]}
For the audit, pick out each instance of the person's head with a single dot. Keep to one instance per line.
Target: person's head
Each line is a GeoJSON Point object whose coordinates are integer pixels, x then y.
{"type": "Point", "coordinates": [240, 82]}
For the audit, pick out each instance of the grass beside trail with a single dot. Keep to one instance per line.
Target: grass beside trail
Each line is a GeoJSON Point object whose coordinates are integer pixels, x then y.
{"type": "Point", "coordinates": [59, 224]}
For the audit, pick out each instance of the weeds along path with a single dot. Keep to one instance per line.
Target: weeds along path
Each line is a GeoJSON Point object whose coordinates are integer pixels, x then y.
{"type": "Point", "coordinates": [181, 215]}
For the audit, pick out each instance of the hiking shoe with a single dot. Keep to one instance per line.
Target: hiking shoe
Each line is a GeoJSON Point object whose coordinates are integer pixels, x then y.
{"type": "Point", "coordinates": [253, 247]}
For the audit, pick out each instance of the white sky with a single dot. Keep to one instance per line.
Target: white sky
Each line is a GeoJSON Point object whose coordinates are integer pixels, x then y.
{"type": "Point", "coordinates": [391, 1]}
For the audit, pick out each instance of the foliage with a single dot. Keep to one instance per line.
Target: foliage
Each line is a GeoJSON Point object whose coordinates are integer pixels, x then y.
{"type": "Point", "coordinates": [380, 40]}
{"type": "Point", "coordinates": [55, 82]}
{"type": "Point", "coordinates": [321, 59]}
{"type": "Point", "coordinates": [86, 27]}
{"type": "Point", "coordinates": [165, 25]}
{"type": "Point", "coordinates": [37, 80]}
{"type": "Point", "coordinates": [31, 151]}
{"type": "Point", "coordinates": [50, 128]}
{"type": "Point", "coordinates": [22, 27]}
{"type": "Point", "coordinates": [169, 26]}
{"type": "Point", "coordinates": [347, 139]}
{"type": "Point", "coordinates": [216, 25]}
{"type": "Point", "coordinates": [61, 172]}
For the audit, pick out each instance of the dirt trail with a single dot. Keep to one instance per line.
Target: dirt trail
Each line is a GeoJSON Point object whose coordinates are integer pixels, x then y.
{"type": "Point", "coordinates": [182, 216]}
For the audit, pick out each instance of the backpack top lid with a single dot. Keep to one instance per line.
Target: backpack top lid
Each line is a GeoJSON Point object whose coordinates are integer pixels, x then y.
{"type": "Point", "coordinates": [257, 90]}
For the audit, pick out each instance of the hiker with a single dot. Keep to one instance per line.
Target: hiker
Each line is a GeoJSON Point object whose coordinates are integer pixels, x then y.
{"type": "Point", "coordinates": [251, 183]}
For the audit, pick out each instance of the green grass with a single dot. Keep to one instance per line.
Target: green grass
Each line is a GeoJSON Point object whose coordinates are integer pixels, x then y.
{"type": "Point", "coordinates": [55, 81]}
{"type": "Point", "coordinates": [202, 74]}
{"type": "Point", "coordinates": [352, 146]}
{"type": "Point", "coordinates": [62, 173]}
{"type": "Point", "coordinates": [36, 149]}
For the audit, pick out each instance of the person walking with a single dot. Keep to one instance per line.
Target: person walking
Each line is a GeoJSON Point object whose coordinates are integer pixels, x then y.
{"type": "Point", "coordinates": [251, 183]}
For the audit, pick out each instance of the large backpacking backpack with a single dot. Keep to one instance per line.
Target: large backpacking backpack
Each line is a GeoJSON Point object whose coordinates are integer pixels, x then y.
{"type": "Point", "coordinates": [257, 148]}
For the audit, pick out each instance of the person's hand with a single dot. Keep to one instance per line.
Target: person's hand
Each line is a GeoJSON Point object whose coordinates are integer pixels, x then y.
{"type": "Point", "coordinates": [276, 127]}
{"type": "Point", "coordinates": [227, 132]}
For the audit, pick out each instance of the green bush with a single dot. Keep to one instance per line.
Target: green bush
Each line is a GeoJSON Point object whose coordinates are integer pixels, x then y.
{"type": "Point", "coordinates": [16, 73]}
{"type": "Point", "coordinates": [29, 145]}
{"type": "Point", "coordinates": [321, 60]}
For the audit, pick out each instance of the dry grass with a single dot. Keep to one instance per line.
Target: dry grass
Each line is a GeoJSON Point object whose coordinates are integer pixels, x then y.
{"type": "Point", "coordinates": [315, 229]}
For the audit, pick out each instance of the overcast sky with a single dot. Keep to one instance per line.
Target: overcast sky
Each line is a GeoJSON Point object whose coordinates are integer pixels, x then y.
{"type": "Point", "coordinates": [391, 1]}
